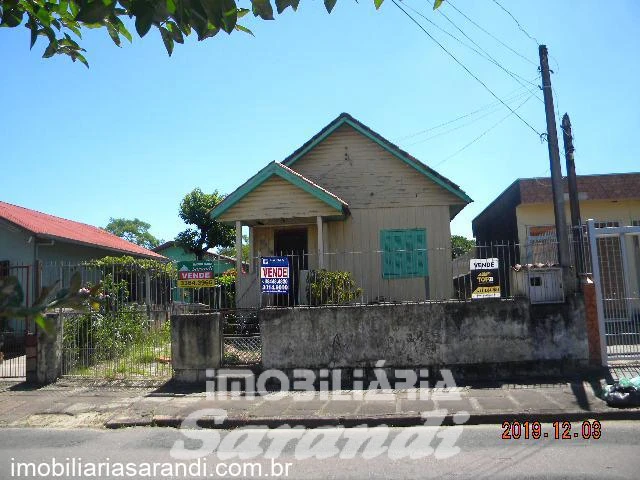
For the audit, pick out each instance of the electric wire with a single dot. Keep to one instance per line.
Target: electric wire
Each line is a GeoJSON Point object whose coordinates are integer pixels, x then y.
{"type": "Point", "coordinates": [439, 134]}
{"type": "Point", "coordinates": [482, 134]}
{"type": "Point", "coordinates": [491, 34]}
{"type": "Point", "coordinates": [510, 98]}
{"type": "Point", "coordinates": [482, 53]}
{"type": "Point", "coordinates": [515, 76]}
{"type": "Point", "coordinates": [517, 22]}
{"type": "Point", "coordinates": [465, 68]}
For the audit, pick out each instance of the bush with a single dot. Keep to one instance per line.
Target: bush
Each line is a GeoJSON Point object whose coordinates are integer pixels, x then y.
{"type": "Point", "coordinates": [331, 288]}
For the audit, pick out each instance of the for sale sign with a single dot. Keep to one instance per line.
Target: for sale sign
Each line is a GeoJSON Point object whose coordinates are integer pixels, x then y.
{"type": "Point", "coordinates": [485, 281]}
{"type": "Point", "coordinates": [274, 274]}
{"type": "Point", "coordinates": [195, 274]}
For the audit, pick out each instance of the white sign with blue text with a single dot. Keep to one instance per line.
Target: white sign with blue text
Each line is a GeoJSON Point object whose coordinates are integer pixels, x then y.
{"type": "Point", "coordinates": [274, 274]}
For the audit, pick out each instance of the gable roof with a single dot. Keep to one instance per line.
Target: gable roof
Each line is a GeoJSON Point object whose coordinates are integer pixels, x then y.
{"type": "Point", "coordinates": [346, 119]}
{"type": "Point", "coordinates": [44, 225]}
{"type": "Point", "coordinates": [290, 176]}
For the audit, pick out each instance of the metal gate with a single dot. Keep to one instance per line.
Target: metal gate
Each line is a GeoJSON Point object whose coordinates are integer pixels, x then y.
{"type": "Point", "coordinates": [241, 341]}
{"type": "Point", "coordinates": [615, 257]}
{"type": "Point", "coordinates": [115, 345]}
{"type": "Point", "coordinates": [13, 331]}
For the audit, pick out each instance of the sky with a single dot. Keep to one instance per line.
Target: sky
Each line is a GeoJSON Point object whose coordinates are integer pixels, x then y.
{"type": "Point", "coordinates": [134, 133]}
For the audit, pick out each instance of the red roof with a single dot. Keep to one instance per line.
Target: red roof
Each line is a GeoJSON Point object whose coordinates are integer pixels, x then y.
{"type": "Point", "coordinates": [49, 226]}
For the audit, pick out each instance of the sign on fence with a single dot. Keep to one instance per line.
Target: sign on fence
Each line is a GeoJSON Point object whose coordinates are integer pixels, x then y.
{"type": "Point", "coordinates": [485, 281]}
{"type": "Point", "coordinates": [195, 274]}
{"type": "Point", "coordinates": [274, 274]}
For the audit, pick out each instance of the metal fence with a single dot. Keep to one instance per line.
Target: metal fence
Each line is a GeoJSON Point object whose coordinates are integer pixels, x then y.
{"type": "Point", "coordinates": [115, 344]}
{"type": "Point", "coordinates": [416, 275]}
{"type": "Point", "coordinates": [616, 253]}
{"type": "Point", "coordinates": [241, 341]}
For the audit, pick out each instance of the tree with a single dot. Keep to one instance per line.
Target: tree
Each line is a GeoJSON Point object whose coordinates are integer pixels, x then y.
{"type": "Point", "coordinates": [58, 19]}
{"type": "Point", "coordinates": [231, 251]}
{"type": "Point", "coordinates": [460, 245]}
{"type": "Point", "coordinates": [194, 210]}
{"type": "Point", "coordinates": [135, 231]}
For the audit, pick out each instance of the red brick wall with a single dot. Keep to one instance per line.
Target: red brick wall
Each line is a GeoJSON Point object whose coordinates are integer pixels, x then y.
{"type": "Point", "coordinates": [593, 330]}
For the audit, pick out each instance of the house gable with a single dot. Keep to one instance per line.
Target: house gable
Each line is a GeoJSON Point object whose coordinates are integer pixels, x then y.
{"type": "Point", "coordinates": [278, 192]}
{"type": "Point", "coordinates": [367, 170]}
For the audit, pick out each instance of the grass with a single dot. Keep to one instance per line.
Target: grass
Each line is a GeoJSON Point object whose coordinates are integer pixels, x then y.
{"type": "Point", "coordinates": [147, 357]}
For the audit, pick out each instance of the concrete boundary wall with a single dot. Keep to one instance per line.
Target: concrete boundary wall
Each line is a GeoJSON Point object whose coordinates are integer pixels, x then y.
{"type": "Point", "coordinates": [196, 345]}
{"type": "Point", "coordinates": [454, 334]}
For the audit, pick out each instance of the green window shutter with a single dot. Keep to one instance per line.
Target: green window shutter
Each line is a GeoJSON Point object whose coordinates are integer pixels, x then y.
{"type": "Point", "coordinates": [404, 253]}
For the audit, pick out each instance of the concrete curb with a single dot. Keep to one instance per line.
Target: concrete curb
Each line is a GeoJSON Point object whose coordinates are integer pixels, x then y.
{"type": "Point", "coordinates": [394, 420]}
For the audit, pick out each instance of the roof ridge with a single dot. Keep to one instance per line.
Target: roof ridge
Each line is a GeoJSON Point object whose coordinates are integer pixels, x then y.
{"type": "Point", "coordinates": [56, 217]}
{"type": "Point", "coordinates": [391, 147]}
{"type": "Point", "coordinates": [47, 225]}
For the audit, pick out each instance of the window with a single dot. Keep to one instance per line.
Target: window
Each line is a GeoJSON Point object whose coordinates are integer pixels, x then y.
{"type": "Point", "coordinates": [404, 253]}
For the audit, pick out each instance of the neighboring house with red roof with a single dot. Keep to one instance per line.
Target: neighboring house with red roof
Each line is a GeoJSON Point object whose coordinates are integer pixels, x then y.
{"type": "Point", "coordinates": [30, 239]}
{"type": "Point", "coordinates": [349, 200]}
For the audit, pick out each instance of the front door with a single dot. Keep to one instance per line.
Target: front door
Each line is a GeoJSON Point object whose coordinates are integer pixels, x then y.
{"type": "Point", "coordinates": [292, 243]}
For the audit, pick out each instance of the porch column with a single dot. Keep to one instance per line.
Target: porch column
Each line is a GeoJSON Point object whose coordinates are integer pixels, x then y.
{"type": "Point", "coordinates": [320, 243]}
{"type": "Point", "coordinates": [239, 247]}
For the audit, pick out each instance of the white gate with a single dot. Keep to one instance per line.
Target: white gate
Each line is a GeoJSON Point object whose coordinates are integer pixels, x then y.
{"type": "Point", "coordinates": [615, 260]}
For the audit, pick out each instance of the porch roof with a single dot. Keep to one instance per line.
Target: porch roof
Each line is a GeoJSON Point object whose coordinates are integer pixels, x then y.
{"type": "Point", "coordinates": [274, 169]}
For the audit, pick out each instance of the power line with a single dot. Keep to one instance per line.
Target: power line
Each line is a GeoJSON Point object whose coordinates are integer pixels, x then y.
{"type": "Point", "coordinates": [491, 112]}
{"type": "Point", "coordinates": [491, 34]}
{"type": "Point", "coordinates": [465, 68]}
{"type": "Point", "coordinates": [484, 54]}
{"type": "Point", "coordinates": [515, 76]}
{"type": "Point", "coordinates": [509, 99]}
{"type": "Point", "coordinates": [482, 134]}
{"type": "Point", "coordinates": [517, 22]}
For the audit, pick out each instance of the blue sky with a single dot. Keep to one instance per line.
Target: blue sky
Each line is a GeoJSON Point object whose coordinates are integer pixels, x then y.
{"type": "Point", "coordinates": [130, 136]}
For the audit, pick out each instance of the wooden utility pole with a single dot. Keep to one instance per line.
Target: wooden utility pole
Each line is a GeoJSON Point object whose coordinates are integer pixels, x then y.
{"type": "Point", "coordinates": [574, 201]}
{"type": "Point", "coordinates": [568, 280]}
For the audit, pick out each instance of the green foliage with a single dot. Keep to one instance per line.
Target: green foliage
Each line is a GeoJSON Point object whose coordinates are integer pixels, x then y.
{"type": "Point", "coordinates": [325, 287]}
{"type": "Point", "coordinates": [460, 245]}
{"type": "Point", "coordinates": [104, 335]}
{"type": "Point", "coordinates": [131, 264]}
{"type": "Point", "coordinates": [57, 20]}
{"type": "Point", "coordinates": [135, 231]}
{"type": "Point", "coordinates": [11, 297]}
{"type": "Point", "coordinates": [231, 251]}
{"type": "Point", "coordinates": [208, 233]}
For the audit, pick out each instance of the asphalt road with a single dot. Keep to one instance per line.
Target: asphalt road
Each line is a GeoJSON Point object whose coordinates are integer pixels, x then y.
{"type": "Point", "coordinates": [482, 453]}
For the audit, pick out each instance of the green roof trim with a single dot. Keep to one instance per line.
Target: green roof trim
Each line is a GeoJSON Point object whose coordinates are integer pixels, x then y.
{"type": "Point", "coordinates": [285, 173]}
{"type": "Point", "coordinates": [346, 119]}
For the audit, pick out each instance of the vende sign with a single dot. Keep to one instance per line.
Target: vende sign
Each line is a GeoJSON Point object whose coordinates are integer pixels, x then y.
{"type": "Point", "coordinates": [195, 275]}
{"type": "Point", "coordinates": [274, 272]}
{"type": "Point", "coordinates": [483, 263]}
{"type": "Point", "coordinates": [274, 275]}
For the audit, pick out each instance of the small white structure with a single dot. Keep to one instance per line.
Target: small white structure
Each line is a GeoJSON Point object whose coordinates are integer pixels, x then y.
{"type": "Point", "coordinates": [539, 282]}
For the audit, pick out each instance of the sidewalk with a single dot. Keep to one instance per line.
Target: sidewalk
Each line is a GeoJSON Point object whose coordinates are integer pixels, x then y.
{"type": "Point", "coordinates": [76, 404]}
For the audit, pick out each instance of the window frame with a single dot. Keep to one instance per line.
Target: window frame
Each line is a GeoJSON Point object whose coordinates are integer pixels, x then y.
{"type": "Point", "coordinates": [417, 267]}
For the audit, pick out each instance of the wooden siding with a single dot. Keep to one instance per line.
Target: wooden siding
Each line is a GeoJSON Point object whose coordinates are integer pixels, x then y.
{"type": "Point", "coordinates": [277, 198]}
{"type": "Point", "coordinates": [365, 175]}
{"type": "Point", "coordinates": [354, 245]}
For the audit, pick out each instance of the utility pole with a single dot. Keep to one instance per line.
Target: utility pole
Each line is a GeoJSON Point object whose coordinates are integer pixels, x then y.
{"type": "Point", "coordinates": [574, 201]}
{"type": "Point", "coordinates": [568, 280]}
